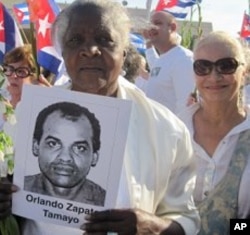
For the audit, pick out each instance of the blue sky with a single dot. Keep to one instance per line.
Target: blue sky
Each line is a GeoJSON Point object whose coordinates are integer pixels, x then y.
{"type": "Point", "coordinates": [224, 14]}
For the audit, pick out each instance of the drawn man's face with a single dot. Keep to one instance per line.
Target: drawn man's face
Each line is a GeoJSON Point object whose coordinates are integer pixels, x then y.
{"type": "Point", "coordinates": [65, 152]}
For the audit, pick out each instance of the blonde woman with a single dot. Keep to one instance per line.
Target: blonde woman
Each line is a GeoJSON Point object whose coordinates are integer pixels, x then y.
{"type": "Point", "coordinates": [219, 124]}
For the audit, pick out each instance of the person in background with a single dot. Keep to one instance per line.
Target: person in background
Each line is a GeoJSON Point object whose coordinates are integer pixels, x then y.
{"type": "Point", "coordinates": [193, 98]}
{"type": "Point", "coordinates": [171, 76]}
{"type": "Point", "coordinates": [141, 80]}
{"type": "Point", "coordinates": [219, 124]}
{"type": "Point", "coordinates": [157, 177]}
{"type": "Point", "coordinates": [135, 68]}
{"type": "Point", "coordinates": [19, 67]}
{"type": "Point", "coordinates": [131, 65]}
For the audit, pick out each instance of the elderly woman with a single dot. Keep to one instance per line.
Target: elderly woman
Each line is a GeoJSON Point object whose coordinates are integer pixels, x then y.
{"type": "Point", "coordinates": [157, 179]}
{"type": "Point", "coordinates": [219, 125]}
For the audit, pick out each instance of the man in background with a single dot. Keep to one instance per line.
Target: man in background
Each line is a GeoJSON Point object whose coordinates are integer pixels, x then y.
{"type": "Point", "coordinates": [171, 65]}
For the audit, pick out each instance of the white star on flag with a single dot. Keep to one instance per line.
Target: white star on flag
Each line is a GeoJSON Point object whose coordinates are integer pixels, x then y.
{"type": "Point", "coordinates": [167, 1]}
{"type": "Point", "coordinates": [247, 27]}
{"type": "Point", "coordinates": [1, 25]}
{"type": "Point", "coordinates": [44, 25]}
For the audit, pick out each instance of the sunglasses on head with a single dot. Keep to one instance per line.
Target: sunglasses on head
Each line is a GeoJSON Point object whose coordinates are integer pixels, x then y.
{"type": "Point", "coordinates": [20, 72]}
{"type": "Point", "coordinates": [222, 66]}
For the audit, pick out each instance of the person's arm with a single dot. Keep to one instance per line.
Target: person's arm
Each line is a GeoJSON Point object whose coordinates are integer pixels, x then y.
{"type": "Point", "coordinates": [6, 190]}
{"type": "Point", "coordinates": [173, 228]}
{"type": "Point", "coordinates": [151, 56]}
{"type": "Point", "coordinates": [178, 203]}
{"type": "Point", "coordinates": [150, 53]}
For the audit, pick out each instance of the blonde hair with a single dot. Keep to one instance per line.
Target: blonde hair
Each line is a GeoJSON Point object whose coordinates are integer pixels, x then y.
{"type": "Point", "coordinates": [232, 43]}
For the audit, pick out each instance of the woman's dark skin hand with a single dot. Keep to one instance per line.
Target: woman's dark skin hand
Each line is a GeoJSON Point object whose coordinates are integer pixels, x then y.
{"type": "Point", "coordinates": [129, 222]}
{"type": "Point", "coordinates": [6, 190]}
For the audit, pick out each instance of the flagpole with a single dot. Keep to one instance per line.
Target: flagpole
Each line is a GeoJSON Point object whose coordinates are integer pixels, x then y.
{"type": "Point", "coordinates": [200, 30]}
{"type": "Point", "coordinates": [23, 34]}
{"type": "Point", "coordinates": [148, 7]}
{"type": "Point", "coordinates": [33, 45]}
{"type": "Point", "coordinates": [249, 7]}
{"type": "Point", "coordinates": [33, 38]}
{"type": "Point", "coordinates": [21, 30]}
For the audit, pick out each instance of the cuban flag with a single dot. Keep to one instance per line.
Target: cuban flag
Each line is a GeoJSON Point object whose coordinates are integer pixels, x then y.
{"type": "Point", "coordinates": [43, 14]}
{"type": "Point", "coordinates": [138, 42]}
{"type": "Point", "coordinates": [245, 28]}
{"type": "Point", "coordinates": [10, 36]}
{"type": "Point", "coordinates": [178, 8]}
{"type": "Point", "coordinates": [21, 12]}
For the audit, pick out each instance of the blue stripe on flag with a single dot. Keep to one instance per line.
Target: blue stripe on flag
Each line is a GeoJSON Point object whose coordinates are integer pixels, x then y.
{"type": "Point", "coordinates": [10, 33]}
{"type": "Point", "coordinates": [50, 62]}
{"type": "Point", "coordinates": [23, 7]}
{"type": "Point", "coordinates": [138, 42]}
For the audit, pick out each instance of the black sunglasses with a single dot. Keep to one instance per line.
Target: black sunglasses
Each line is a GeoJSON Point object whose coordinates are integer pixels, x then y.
{"type": "Point", "coordinates": [20, 72]}
{"type": "Point", "coordinates": [222, 66]}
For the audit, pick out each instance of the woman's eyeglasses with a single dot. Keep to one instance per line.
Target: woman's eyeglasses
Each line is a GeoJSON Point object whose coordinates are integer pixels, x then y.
{"type": "Point", "coordinates": [20, 72]}
{"type": "Point", "coordinates": [222, 66]}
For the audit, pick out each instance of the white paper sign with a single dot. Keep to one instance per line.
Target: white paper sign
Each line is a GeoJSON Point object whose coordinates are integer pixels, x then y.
{"type": "Point", "coordinates": [113, 115]}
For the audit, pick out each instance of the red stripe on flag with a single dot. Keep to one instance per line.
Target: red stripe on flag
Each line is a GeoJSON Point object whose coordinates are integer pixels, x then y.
{"type": "Point", "coordinates": [165, 4]}
{"type": "Point", "coordinates": [245, 29]}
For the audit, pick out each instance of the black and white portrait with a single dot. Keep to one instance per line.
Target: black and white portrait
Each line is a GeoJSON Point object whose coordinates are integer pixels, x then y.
{"type": "Point", "coordinates": [66, 142]}
{"type": "Point", "coordinates": [68, 155]}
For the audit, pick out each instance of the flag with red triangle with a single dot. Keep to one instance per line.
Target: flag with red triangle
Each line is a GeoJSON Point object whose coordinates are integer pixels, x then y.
{"type": "Point", "coordinates": [10, 36]}
{"type": "Point", "coordinates": [178, 8]}
{"type": "Point", "coordinates": [21, 12]}
{"type": "Point", "coordinates": [43, 14]}
{"type": "Point", "coordinates": [245, 28]}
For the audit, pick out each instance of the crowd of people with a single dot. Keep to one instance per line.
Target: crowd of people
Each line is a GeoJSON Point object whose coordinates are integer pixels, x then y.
{"type": "Point", "coordinates": [186, 168]}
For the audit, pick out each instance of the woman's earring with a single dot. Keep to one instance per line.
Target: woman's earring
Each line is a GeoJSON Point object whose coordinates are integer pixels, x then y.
{"type": "Point", "coordinates": [123, 72]}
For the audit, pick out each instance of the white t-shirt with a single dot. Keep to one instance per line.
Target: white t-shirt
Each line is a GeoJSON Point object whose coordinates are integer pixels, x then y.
{"type": "Point", "coordinates": [171, 78]}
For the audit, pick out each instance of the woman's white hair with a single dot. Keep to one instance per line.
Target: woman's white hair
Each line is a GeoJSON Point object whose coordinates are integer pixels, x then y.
{"type": "Point", "coordinates": [113, 12]}
{"type": "Point", "coordinates": [231, 42]}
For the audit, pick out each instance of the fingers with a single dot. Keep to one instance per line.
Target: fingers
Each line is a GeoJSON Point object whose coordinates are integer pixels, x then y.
{"type": "Point", "coordinates": [112, 215]}
{"type": "Point", "coordinates": [94, 233]}
{"type": "Point", "coordinates": [104, 215]}
{"type": "Point", "coordinates": [121, 228]}
{"type": "Point", "coordinates": [122, 222]}
{"type": "Point", "coordinates": [6, 190]}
